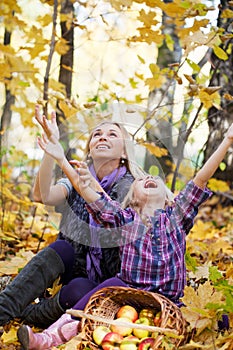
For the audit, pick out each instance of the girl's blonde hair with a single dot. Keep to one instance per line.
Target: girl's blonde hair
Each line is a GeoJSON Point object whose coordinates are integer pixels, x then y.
{"type": "Point", "coordinates": [130, 160]}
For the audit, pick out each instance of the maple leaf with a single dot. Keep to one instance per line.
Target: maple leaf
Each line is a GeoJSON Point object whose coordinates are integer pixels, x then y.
{"type": "Point", "coordinates": [200, 272]}
{"type": "Point", "coordinates": [202, 230]}
{"type": "Point", "coordinates": [209, 100]}
{"type": "Point", "coordinates": [196, 311]}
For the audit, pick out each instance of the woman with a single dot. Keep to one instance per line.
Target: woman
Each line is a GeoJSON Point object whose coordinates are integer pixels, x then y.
{"type": "Point", "coordinates": [80, 260]}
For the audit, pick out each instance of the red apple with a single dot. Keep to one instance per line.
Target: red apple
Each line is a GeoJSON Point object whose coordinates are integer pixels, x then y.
{"type": "Point", "coordinates": [157, 319]}
{"type": "Point", "coordinates": [149, 313]}
{"type": "Point", "coordinates": [122, 330]}
{"type": "Point", "coordinates": [142, 333]}
{"type": "Point", "coordinates": [129, 343]}
{"type": "Point", "coordinates": [112, 341]}
{"type": "Point", "coordinates": [127, 311]}
{"type": "Point", "coordinates": [146, 343]}
{"type": "Point", "coordinates": [99, 334]}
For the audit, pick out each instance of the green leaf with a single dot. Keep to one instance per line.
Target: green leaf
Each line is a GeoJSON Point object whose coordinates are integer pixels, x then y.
{"type": "Point", "coordinates": [154, 170]}
{"type": "Point", "coordinates": [215, 274]}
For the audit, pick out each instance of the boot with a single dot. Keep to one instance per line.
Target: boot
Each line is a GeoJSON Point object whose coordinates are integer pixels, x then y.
{"type": "Point", "coordinates": [58, 333]}
{"type": "Point", "coordinates": [39, 274]}
{"type": "Point", "coordinates": [44, 313]}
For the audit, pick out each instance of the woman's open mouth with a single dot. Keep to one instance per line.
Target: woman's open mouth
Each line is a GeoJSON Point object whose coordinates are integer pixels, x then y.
{"type": "Point", "coordinates": [102, 146]}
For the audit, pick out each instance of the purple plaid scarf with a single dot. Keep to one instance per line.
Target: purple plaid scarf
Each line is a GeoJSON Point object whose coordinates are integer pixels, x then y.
{"type": "Point", "coordinates": [95, 253]}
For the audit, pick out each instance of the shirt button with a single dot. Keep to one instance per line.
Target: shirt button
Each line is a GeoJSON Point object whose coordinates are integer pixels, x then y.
{"type": "Point", "coordinates": [158, 239]}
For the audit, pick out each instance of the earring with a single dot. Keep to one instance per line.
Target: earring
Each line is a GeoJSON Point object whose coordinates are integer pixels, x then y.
{"type": "Point", "coordinates": [88, 158]}
{"type": "Point", "coordinates": [122, 161]}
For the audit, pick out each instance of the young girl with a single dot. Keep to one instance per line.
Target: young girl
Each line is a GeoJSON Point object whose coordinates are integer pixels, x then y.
{"type": "Point", "coordinates": [150, 231]}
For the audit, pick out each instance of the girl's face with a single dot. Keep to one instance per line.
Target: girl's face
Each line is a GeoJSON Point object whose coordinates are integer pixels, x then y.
{"type": "Point", "coordinates": [107, 143]}
{"type": "Point", "coordinates": [149, 187]}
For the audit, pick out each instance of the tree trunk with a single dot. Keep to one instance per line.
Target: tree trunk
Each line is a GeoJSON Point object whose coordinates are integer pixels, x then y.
{"type": "Point", "coordinates": [7, 113]}
{"type": "Point", "coordinates": [161, 132]}
{"type": "Point", "coordinates": [220, 120]}
{"type": "Point", "coordinates": [65, 75]}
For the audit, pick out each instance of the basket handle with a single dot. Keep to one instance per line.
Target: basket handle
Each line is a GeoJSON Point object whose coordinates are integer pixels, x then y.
{"type": "Point", "coordinates": [80, 313]}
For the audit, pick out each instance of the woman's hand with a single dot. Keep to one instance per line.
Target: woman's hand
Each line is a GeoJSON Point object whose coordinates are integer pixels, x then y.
{"type": "Point", "coordinates": [51, 146]}
{"type": "Point", "coordinates": [50, 127]}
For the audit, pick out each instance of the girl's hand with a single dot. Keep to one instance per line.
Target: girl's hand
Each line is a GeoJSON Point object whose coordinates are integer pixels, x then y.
{"type": "Point", "coordinates": [229, 134]}
{"type": "Point", "coordinates": [50, 127]}
{"type": "Point", "coordinates": [84, 175]}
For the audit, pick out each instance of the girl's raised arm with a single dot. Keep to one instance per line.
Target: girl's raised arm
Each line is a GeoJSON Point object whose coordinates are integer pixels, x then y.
{"type": "Point", "coordinates": [209, 168]}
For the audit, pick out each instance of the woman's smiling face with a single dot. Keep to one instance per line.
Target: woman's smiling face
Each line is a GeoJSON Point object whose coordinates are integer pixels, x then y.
{"type": "Point", "coordinates": [107, 143]}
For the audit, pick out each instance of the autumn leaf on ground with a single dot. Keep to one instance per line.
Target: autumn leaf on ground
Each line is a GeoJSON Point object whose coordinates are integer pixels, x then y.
{"type": "Point", "coordinates": [200, 272]}
{"type": "Point", "coordinates": [202, 230]}
{"type": "Point", "coordinates": [55, 288]}
{"type": "Point", "coordinates": [13, 265]}
{"type": "Point", "coordinates": [11, 336]}
{"type": "Point", "coordinates": [196, 312]}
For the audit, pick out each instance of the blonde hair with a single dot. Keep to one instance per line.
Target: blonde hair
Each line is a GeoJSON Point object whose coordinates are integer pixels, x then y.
{"type": "Point", "coordinates": [130, 160]}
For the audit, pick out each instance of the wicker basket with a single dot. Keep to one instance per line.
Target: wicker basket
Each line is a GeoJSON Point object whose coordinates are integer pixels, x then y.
{"type": "Point", "coordinates": [104, 304]}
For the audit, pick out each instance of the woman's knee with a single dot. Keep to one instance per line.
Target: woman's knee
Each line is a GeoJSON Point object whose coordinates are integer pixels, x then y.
{"type": "Point", "coordinates": [75, 290]}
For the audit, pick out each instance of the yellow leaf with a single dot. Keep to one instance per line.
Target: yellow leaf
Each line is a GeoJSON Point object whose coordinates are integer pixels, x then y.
{"type": "Point", "coordinates": [155, 150]}
{"type": "Point", "coordinates": [227, 13]}
{"type": "Point", "coordinates": [89, 104]}
{"type": "Point", "coordinates": [55, 288]}
{"type": "Point", "coordinates": [10, 337]}
{"type": "Point", "coordinates": [220, 53]}
{"type": "Point", "coordinates": [195, 310]}
{"type": "Point", "coordinates": [62, 46]}
{"type": "Point", "coordinates": [157, 80]}
{"type": "Point", "coordinates": [218, 185]}
{"type": "Point", "coordinates": [57, 86]}
{"type": "Point", "coordinates": [67, 109]}
{"type": "Point", "coordinates": [228, 97]}
{"type": "Point", "coordinates": [45, 20]}
{"type": "Point", "coordinates": [12, 267]}
{"type": "Point", "coordinates": [202, 230]}
{"type": "Point", "coordinates": [209, 100]}
{"type": "Point", "coordinates": [205, 294]}
{"type": "Point", "coordinates": [67, 68]}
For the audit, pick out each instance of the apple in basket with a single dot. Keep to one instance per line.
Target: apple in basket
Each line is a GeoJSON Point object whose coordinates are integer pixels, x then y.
{"type": "Point", "coordinates": [112, 341]}
{"type": "Point", "coordinates": [142, 333]}
{"type": "Point", "coordinates": [122, 330]}
{"type": "Point", "coordinates": [146, 343]}
{"type": "Point", "coordinates": [127, 311]}
{"type": "Point", "coordinates": [157, 319]}
{"type": "Point", "coordinates": [129, 343]}
{"type": "Point", "coordinates": [99, 334]}
{"type": "Point", "coordinates": [148, 313]}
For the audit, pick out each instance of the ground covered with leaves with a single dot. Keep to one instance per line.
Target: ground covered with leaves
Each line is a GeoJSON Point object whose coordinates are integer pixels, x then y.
{"type": "Point", "coordinates": [208, 295]}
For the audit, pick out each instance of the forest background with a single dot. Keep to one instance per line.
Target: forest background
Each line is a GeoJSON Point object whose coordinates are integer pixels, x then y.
{"type": "Point", "coordinates": [164, 69]}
